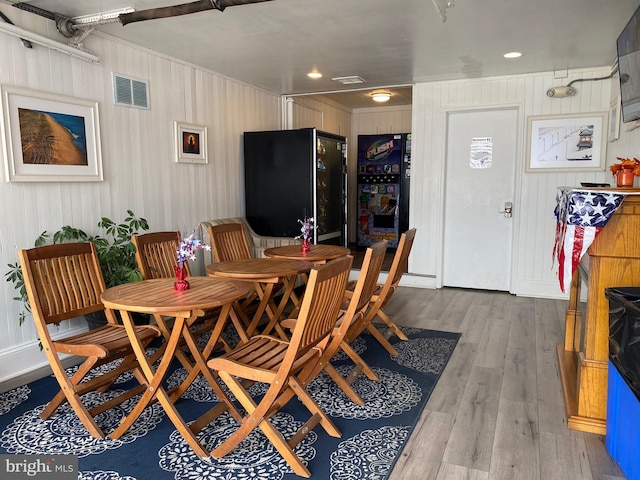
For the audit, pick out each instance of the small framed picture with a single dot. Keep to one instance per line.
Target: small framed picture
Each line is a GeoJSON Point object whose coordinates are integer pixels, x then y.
{"type": "Point", "coordinates": [614, 119]}
{"type": "Point", "coordinates": [191, 143]}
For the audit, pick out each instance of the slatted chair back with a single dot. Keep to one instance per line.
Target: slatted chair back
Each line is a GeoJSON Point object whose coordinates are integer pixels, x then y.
{"type": "Point", "coordinates": [399, 265]}
{"type": "Point", "coordinates": [62, 282]}
{"type": "Point", "coordinates": [351, 321]}
{"type": "Point", "coordinates": [229, 242]}
{"type": "Point", "coordinates": [384, 292]}
{"type": "Point", "coordinates": [65, 281]}
{"type": "Point", "coordinates": [156, 254]}
{"type": "Point", "coordinates": [279, 362]}
{"type": "Point", "coordinates": [367, 281]}
{"type": "Point", "coordinates": [321, 304]}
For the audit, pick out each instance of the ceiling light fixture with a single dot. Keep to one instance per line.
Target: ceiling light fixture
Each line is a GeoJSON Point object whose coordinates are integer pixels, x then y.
{"type": "Point", "coordinates": [512, 55]}
{"type": "Point", "coordinates": [380, 97]}
{"type": "Point", "coordinates": [315, 75]}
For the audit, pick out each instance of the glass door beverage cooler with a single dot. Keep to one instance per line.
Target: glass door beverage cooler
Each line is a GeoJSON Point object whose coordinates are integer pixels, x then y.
{"type": "Point", "coordinates": [290, 174]}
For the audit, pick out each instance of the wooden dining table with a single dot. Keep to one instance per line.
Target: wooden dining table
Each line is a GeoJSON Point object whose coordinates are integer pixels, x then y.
{"type": "Point", "coordinates": [159, 298]}
{"type": "Point", "coordinates": [318, 254]}
{"type": "Point", "coordinates": [265, 274]}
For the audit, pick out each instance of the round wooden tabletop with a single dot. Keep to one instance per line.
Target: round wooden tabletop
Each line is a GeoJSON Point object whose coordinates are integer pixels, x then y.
{"type": "Point", "coordinates": [159, 296]}
{"type": "Point", "coordinates": [259, 268]}
{"type": "Point", "coordinates": [317, 253]}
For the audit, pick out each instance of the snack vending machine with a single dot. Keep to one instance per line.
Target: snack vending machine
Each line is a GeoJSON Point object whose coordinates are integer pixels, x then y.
{"type": "Point", "coordinates": [384, 171]}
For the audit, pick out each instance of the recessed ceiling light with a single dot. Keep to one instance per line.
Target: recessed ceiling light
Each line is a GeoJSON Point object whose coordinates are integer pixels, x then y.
{"type": "Point", "coordinates": [314, 75]}
{"type": "Point", "coordinates": [381, 97]}
{"type": "Point", "coordinates": [512, 55]}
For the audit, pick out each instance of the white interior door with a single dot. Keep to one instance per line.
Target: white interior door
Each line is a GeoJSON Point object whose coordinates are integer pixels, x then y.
{"type": "Point", "coordinates": [480, 174]}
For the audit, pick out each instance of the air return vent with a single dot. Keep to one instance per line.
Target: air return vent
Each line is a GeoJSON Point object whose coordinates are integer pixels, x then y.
{"type": "Point", "coordinates": [130, 92]}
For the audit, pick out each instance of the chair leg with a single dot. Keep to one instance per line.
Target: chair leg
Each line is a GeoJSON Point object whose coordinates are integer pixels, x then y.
{"type": "Point", "coordinates": [69, 394]}
{"type": "Point", "coordinates": [345, 385]}
{"type": "Point", "coordinates": [393, 328]}
{"type": "Point", "coordinates": [248, 424]}
{"type": "Point", "coordinates": [314, 408]}
{"type": "Point", "coordinates": [383, 341]}
{"type": "Point", "coordinates": [62, 378]}
{"type": "Point", "coordinates": [359, 362]}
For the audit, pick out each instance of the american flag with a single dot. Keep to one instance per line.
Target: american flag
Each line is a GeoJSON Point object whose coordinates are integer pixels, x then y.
{"type": "Point", "coordinates": [580, 215]}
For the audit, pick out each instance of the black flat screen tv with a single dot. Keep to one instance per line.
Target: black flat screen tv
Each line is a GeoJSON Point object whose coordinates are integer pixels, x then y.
{"type": "Point", "coordinates": [629, 68]}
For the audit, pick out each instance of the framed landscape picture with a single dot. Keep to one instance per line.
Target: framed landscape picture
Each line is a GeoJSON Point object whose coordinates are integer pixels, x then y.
{"type": "Point", "coordinates": [49, 137]}
{"type": "Point", "coordinates": [191, 143]}
{"type": "Point", "coordinates": [562, 143]}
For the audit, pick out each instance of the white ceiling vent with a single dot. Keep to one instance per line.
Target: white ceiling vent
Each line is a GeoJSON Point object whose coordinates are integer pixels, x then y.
{"type": "Point", "coordinates": [350, 80]}
{"type": "Point", "coordinates": [130, 92]}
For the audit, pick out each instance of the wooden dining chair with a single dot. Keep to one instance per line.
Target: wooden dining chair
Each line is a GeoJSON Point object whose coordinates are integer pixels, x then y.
{"type": "Point", "coordinates": [64, 281]}
{"type": "Point", "coordinates": [383, 294]}
{"type": "Point", "coordinates": [350, 324]}
{"type": "Point", "coordinates": [229, 242]}
{"type": "Point", "coordinates": [285, 365]}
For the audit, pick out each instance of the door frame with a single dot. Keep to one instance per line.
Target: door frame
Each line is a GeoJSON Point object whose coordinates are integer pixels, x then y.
{"type": "Point", "coordinates": [517, 187]}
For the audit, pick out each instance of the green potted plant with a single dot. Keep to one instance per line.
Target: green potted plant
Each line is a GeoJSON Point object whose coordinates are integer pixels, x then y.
{"type": "Point", "coordinates": [116, 254]}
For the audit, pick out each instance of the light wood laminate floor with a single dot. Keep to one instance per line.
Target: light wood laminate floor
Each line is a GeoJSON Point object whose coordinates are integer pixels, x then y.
{"type": "Point", "coordinates": [497, 411]}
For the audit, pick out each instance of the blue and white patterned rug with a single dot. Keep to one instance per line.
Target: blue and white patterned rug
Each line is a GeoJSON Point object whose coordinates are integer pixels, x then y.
{"type": "Point", "coordinates": [373, 435]}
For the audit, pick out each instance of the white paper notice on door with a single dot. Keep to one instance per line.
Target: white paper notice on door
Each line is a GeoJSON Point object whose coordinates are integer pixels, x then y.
{"type": "Point", "coordinates": [481, 152]}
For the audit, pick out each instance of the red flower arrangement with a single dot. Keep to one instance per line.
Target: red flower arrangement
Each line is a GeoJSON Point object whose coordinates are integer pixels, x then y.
{"type": "Point", "coordinates": [632, 164]}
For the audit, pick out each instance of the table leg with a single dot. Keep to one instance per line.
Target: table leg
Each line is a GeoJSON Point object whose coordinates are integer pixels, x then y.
{"type": "Point", "coordinates": [155, 390]}
{"type": "Point", "coordinates": [264, 291]}
{"type": "Point", "coordinates": [275, 314]}
{"type": "Point", "coordinates": [152, 379]}
{"type": "Point", "coordinates": [166, 333]}
{"type": "Point", "coordinates": [200, 366]}
{"type": "Point", "coordinates": [200, 357]}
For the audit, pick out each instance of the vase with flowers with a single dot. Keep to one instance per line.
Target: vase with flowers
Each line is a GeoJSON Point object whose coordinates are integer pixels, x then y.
{"type": "Point", "coordinates": [187, 251]}
{"type": "Point", "coordinates": [307, 226]}
{"type": "Point", "coordinates": [625, 171]}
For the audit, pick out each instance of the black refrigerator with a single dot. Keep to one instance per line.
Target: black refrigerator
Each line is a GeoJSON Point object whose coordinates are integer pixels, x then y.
{"type": "Point", "coordinates": [384, 172]}
{"type": "Point", "coordinates": [290, 174]}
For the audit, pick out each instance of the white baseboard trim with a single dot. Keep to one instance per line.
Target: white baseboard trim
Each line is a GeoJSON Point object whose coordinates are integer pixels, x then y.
{"type": "Point", "coordinates": [407, 280]}
{"type": "Point", "coordinates": [26, 363]}
{"type": "Point", "coordinates": [549, 290]}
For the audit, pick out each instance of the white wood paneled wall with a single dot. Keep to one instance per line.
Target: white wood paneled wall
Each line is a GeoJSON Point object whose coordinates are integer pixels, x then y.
{"type": "Point", "coordinates": [310, 112]}
{"type": "Point", "coordinates": [532, 272]}
{"type": "Point", "coordinates": [137, 154]}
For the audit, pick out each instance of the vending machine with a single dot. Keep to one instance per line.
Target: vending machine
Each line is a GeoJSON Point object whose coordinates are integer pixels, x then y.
{"type": "Point", "coordinates": [384, 171]}
{"type": "Point", "coordinates": [292, 174]}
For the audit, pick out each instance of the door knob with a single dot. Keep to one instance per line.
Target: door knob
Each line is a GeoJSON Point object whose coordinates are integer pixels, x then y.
{"type": "Point", "coordinates": [508, 209]}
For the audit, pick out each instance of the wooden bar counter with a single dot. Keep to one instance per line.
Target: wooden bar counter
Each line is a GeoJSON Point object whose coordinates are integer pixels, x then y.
{"type": "Point", "coordinates": [613, 261]}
